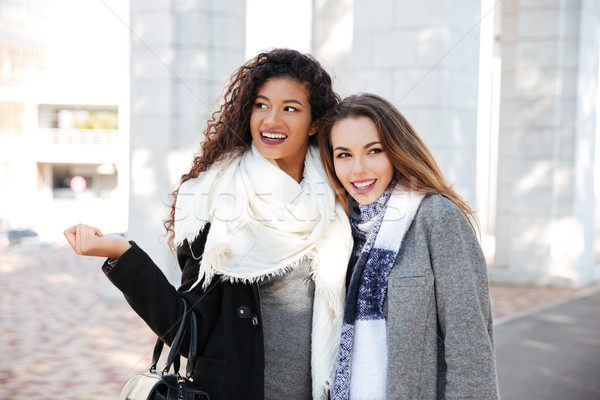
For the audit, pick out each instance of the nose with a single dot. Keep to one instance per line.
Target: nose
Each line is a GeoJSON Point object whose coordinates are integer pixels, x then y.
{"type": "Point", "coordinates": [358, 167]}
{"type": "Point", "coordinates": [272, 119]}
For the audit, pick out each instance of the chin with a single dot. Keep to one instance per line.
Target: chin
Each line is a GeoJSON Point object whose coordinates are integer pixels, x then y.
{"type": "Point", "coordinates": [362, 199]}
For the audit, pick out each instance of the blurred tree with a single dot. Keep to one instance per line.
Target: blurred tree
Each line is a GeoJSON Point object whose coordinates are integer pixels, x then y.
{"type": "Point", "coordinates": [98, 120]}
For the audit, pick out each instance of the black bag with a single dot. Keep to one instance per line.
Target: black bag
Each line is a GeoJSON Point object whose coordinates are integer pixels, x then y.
{"type": "Point", "coordinates": [154, 385]}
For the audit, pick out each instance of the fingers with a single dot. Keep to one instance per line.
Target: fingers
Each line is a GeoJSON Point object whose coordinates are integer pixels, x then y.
{"type": "Point", "coordinates": [70, 236]}
{"type": "Point", "coordinates": [90, 241]}
{"type": "Point", "coordinates": [82, 238]}
{"type": "Point", "coordinates": [86, 237]}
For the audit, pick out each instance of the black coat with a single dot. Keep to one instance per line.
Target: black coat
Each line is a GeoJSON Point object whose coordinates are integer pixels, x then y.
{"type": "Point", "coordinates": [230, 361]}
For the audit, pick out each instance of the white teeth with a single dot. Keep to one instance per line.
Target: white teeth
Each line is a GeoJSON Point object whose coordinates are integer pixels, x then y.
{"type": "Point", "coordinates": [364, 185]}
{"type": "Point", "coordinates": [273, 135]}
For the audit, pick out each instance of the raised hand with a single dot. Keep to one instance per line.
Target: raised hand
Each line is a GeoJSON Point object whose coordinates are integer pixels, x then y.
{"type": "Point", "coordinates": [89, 241]}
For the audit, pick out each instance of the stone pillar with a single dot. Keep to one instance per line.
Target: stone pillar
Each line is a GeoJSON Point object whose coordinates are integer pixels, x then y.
{"type": "Point", "coordinates": [544, 226]}
{"type": "Point", "coordinates": [182, 52]}
{"type": "Point", "coordinates": [423, 57]}
{"type": "Point", "coordinates": [332, 40]}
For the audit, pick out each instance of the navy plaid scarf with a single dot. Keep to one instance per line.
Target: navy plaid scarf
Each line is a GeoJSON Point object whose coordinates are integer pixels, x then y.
{"type": "Point", "coordinates": [378, 229]}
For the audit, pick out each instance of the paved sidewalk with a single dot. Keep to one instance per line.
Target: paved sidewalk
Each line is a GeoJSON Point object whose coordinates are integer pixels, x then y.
{"type": "Point", "coordinates": [509, 301]}
{"type": "Point", "coordinates": [60, 338]}
{"type": "Point", "coordinates": [552, 353]}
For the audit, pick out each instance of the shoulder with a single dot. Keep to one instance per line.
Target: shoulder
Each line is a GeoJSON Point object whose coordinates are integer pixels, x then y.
{"type": "Point", "coordinates": [444, 224]}
{"type": "Point", "coordinates": [440, 216]}
{"type": "Point", "coordinates": [188, 186]}
{"type": "Point", "coordinates": [435, 206]}
{"type": "Point", "coordinates": [192, 185]}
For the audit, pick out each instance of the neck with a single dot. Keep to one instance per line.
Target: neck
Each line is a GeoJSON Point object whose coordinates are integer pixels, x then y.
{"type": "Point", "coordinates": [295, 171]}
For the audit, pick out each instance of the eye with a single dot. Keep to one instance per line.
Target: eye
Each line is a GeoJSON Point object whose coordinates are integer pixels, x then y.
{"type": "Point", "coordinates": [258, 104]}
{"type": "Point", "coordinates": [290, 108]}
{"type": "Point", "coordinates": [342, 155]}
{"type": "Point", "coordinates": [375, 151]}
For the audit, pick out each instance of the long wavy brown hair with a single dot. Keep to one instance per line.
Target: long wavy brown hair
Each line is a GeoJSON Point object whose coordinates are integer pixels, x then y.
{"type": "Point", "coordinates": [228, 129]}
{"type": "Point", "coordinates": [414, 166]}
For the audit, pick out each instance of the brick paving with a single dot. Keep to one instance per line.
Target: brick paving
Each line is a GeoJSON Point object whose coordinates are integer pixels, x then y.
{"type": "Point", "coordinates": [61, 338]}
{"type": "Point", "coordinates": [509, 300]}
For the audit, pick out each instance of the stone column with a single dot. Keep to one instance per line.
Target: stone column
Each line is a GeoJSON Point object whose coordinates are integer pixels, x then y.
{"type": "Point", "coordinates": [332, 40]}
{"type": "Point", "coordinates": [423, 57]}
{"type": "Point", "coordinates": [544, 226]}
{"type": "Point", "coordinates": [182, 52]}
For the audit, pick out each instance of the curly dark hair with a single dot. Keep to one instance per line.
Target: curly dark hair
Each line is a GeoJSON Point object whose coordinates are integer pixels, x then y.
{"type": "Point", "coordinates": [228, 130]}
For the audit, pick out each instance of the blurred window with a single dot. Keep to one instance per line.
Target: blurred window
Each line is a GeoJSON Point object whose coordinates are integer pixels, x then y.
{"type": "Point", "coordinates": [59, 116]}
{"type": "Point", "coordinates": [84, 181]}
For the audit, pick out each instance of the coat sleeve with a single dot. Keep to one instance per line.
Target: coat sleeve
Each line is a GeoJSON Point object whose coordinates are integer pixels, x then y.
{"type": "Point", "coordinates": [157, 302]}
{"type": "Point", "coordinates": [463, 305]}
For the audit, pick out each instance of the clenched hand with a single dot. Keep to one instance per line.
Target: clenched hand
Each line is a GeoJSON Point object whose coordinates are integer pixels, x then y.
{"type": "Point", "coordinates": [89, 241]}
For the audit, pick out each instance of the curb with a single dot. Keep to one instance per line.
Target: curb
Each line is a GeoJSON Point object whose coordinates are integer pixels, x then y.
{"type": "Point", "coordinates": [534, 310]}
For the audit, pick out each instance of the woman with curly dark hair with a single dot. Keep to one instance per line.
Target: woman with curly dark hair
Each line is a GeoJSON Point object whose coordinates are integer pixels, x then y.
{"type": "Point", "coordinates": [262, 242]}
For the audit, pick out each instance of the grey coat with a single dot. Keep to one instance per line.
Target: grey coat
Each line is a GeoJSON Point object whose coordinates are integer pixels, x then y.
{"type": "Point", "coordinates": [440, 338]}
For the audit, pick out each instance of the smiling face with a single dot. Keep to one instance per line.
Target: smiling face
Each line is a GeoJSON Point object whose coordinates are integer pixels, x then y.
{"type": "Point", "coordinates": [361, 164]}
{"type": "Point", "coordinates": [281, 124]}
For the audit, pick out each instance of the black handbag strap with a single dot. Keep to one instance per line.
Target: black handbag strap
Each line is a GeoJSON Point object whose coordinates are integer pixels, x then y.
{"type": "Point", "coordinates": [188, 318]}
{"type": "Point", "coordinates": [156, 354]}
{"type": "Point", "coordinates": [193, 345]}
{"type": "Point", "coordinates": [159, 343]}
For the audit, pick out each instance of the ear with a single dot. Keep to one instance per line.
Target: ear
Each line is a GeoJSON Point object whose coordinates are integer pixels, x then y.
{"type": "Point", "coordinates": [313, 128]}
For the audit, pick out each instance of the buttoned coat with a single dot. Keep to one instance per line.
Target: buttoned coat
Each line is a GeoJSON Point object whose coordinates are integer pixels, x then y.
{"type": "Point", "coordinates": [440, 334]}
{"type": "Point", "coordinates": [230, 360]}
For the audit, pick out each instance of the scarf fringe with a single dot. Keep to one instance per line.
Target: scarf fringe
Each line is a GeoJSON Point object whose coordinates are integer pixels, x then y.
{"type": "Point", "coordinates": [323, 367]}
{"type": "Point", "coordinates": [181, 237]}
{"type": "Point", "coordinates": [335, 299]}
{"type": "Point", "coordinates": [260, 278]}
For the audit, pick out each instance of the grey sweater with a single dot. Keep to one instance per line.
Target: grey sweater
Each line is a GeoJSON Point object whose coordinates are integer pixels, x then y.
{"type": "Point", "coordinates": [440, 337]}
{"type": "Point", "coordinates": [287, 305]}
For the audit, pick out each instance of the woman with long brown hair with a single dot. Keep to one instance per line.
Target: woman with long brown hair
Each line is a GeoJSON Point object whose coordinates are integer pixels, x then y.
{"type": "Point", "coordinates": [418, 320]}
{"type": "Point", "coordinates": [261, 241]}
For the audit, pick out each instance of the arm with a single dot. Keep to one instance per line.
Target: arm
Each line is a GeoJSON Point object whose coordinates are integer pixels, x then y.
{"type": "Point", "coordinates": [463, 306]}
{"type": "Point", "coordinates": [145, 287]}
{"type": "Point", "coordinates": [156, 301]}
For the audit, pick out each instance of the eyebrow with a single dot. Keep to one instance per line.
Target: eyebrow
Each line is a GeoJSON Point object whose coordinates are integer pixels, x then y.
{"type": "Point", "coordinates": [260, 96]}
{"type": "Point", "coordinates": [366, 146]}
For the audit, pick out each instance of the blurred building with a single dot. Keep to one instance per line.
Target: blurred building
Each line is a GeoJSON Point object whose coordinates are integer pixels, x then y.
{"type": "Point", "coordinates": [63, 152]}
{"type": "Point", "coordinates": [21, 56]}
{"type": "Point", "coordinates": [505, 93]}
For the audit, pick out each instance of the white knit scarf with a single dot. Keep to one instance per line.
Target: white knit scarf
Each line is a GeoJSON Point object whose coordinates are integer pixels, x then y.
{"type": "Point", "coordinates": [263, 223]}
{"type": "Point", "coordinates": [378, 228]}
